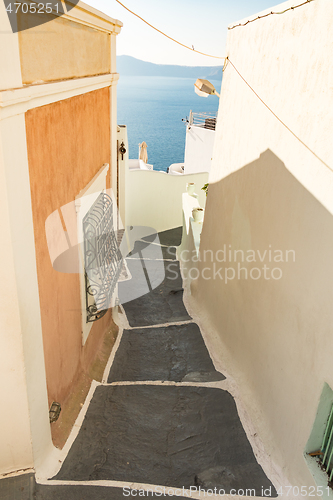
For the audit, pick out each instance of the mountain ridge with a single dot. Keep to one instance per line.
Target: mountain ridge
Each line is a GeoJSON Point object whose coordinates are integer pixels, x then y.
{"type": "Point", "coordinates": [130, 66]}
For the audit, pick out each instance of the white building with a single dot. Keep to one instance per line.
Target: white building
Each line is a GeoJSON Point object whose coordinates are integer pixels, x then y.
{"type": "Point", "coordinates": [199, 142]}
{"type": "Point", "coordinates": [270, 191]}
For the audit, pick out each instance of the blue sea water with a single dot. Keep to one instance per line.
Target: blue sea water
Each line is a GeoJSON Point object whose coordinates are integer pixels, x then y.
{"type": "Point", "coordinates": [153, 108]}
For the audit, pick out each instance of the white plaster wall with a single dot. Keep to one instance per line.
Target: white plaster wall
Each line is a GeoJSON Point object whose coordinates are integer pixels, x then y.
{"type": "Point", "coordinates": [113, 115]}
{"type": "Point", "coordinates": [198, 149]}
{"type": "Point", "coordinates": [24, 427]}
{"type": "Point", "coordinates": [275, 337]}
{"type": "Point", "coordinates": [13, 138]}
{"type": "Point", "coordinates": [25, 438]}
{"type": "Point", "coordinates": [286, 59]}
{"type": "Point", "coordinates": [154, 199]}
{"type": "Point", "coordinates": [10, 75]}
{"type": "Point", "coordinates": [15, 436]}
{"type": "Point", "coordinates": [188, 251]}
{"type": "Point", "coordinates": [123, 173]}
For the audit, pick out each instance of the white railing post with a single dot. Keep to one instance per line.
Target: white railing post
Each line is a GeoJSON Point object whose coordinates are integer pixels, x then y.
{"type": "Point", "coordinates": [190, 120]}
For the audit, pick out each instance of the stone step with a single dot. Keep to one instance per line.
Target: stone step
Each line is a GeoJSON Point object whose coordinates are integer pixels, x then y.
{"type": "Point", "coordinates": [173, 353]}
{"type": "Point", "coordinates": [171, 436]}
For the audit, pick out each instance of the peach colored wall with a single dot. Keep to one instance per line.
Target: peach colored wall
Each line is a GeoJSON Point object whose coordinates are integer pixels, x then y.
{"type": "Point", "coordinates": [67, 142]}
{"type": "Point", "coordinates": [62, 49]}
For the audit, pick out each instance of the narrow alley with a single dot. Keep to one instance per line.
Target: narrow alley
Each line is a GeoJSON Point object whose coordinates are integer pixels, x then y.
{"type": "Point", "coordinates": [161, 418]}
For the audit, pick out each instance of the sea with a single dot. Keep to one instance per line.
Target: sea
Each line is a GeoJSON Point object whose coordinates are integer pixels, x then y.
{"type": "Point", "coordinates": [153, 108]}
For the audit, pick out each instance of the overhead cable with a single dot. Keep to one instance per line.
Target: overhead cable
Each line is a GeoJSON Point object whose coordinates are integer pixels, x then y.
{"type": "Point", "coordinates": [164, 34]}
{"type": "Point", "coordinates": [279, 119]}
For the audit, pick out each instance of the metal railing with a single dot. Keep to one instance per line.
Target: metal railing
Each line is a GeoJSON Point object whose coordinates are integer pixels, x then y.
{"type": "Point", "coordinates": [204, 120]}
{"type": "Point", "coordinates": [102, 257]}
{"type": "Point", "coordinates": [327, 447]}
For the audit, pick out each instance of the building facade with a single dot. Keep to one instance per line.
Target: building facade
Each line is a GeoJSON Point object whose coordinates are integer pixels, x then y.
{"type": "Point", "coordinates": [58, 143]}
{"type": "Point", "coordinates": [270, 204]}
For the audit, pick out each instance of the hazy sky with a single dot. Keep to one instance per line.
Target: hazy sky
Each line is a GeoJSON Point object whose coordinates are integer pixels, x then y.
{"type": "Point", "coordinates": [202, 23]}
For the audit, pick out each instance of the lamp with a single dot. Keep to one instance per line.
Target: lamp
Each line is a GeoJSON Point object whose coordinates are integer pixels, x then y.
{"type": "Point", "coordinates": [122, 150]}
{"type": "Point", "coordinates": [54, 412]}
{"type": "Point", "coordinates": [204, 88]}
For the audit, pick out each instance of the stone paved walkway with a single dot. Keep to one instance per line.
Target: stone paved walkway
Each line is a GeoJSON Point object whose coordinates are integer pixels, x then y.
{"type": "Point", "coordinates": [155, 421]}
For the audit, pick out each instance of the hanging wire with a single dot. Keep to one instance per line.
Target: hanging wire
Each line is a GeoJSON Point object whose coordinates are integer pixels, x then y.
{"type": "Point", "coordinates": [164, 34]}
{"type": "Point", "coordinates": [269, 14]}
{"type": "Point", "coordinates": [279, 119]}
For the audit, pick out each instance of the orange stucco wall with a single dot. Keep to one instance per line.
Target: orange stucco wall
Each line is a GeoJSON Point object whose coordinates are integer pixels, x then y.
{"type": "Point", "coordinates": [67, 143]}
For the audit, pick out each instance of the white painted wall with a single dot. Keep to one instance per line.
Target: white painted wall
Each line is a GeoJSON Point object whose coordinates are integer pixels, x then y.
{"type": "Point", "coordinates": [25, 437]}
{"type": "Point", "coordinates": [15, 436]}
{"type": "Point", "coordinates": [285, 59]}
{"type": "Point", "coordinates": [188, 250]}
{"type": "Point", "coordinates": [154, 199]}
{"type": "Point", "coordinates": [24, 427]}
{"type": "Point", "coordinates": [123, 173]}
{"type": "Point", "coordinates": [10, 75]}
{"type": "Point", "coordinates": [15, 162]}
{"type": "Point", "coordinates": [139, 164]}
{"type": "Point", "coordinates": [266, 188]}
{"type": "Point", "coordinates": [198, 149]}
{"type": "Point", "coordinates": [113, 114]}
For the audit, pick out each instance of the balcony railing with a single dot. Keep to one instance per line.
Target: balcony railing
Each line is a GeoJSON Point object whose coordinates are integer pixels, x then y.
{"type": "Point", "coordinates": [204, 120]}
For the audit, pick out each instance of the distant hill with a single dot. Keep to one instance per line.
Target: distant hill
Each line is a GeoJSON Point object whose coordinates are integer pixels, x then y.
{"type": "Point", "coordinates": [130, 66]}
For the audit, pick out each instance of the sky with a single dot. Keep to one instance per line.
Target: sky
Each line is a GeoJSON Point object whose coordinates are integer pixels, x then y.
{"type": "Point", "coordinates": [201, 23]}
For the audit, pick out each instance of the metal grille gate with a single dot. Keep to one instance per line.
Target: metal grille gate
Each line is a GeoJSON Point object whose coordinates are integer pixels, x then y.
{"type": "Point", "coordinates": [102, 257]}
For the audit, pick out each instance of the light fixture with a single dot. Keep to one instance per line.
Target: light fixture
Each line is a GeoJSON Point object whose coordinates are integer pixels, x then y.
{"type": "Point", "coordinates": [122, 150]}
{"type": "Point", "coordinates": [54, 412]}
{"type": "Point", "coordinates": [204, 88]}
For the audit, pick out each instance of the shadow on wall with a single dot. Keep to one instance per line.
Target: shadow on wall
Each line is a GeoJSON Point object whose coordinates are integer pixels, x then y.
{"type": "Point", "coordinates": [265, 284]}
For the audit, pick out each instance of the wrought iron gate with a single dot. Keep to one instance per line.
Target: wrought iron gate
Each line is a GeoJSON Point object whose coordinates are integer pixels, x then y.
{"type": "Point", "coordinates": [102, 257]}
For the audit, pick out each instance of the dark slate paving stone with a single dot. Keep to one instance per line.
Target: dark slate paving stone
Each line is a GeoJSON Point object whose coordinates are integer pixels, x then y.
{"type": "Point", "coordinates": [77, 492]}
{"type": "Point", "coordinates": [152, 250]}
{"type": "Point", "coordinates": [154, 295]}
{"type": "Point", "coordinates": [21, 487]}
{"type": "Point", "coordinates": [171, 237]}
{"type": "Point", "coordinates": [169, 353]}
{"type": "Point", "coordinates": [172, 436]}
{"type": "Point", "coordinates": [146, 275]}
{"type": "Point", "coordinates": [136, 233]}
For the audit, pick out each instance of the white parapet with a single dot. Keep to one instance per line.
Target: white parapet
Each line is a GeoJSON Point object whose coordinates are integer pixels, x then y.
{"type": "Point", "coordinates": [139, 165]}
{"type": "Point", "coordinates": [154, 199]}
{"type": "Point", "coordinates": [198, 149]}
{"type": "Point", "coordinates": [176, 169]}
{"type": "Point", "coordinates": [188, 251]}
